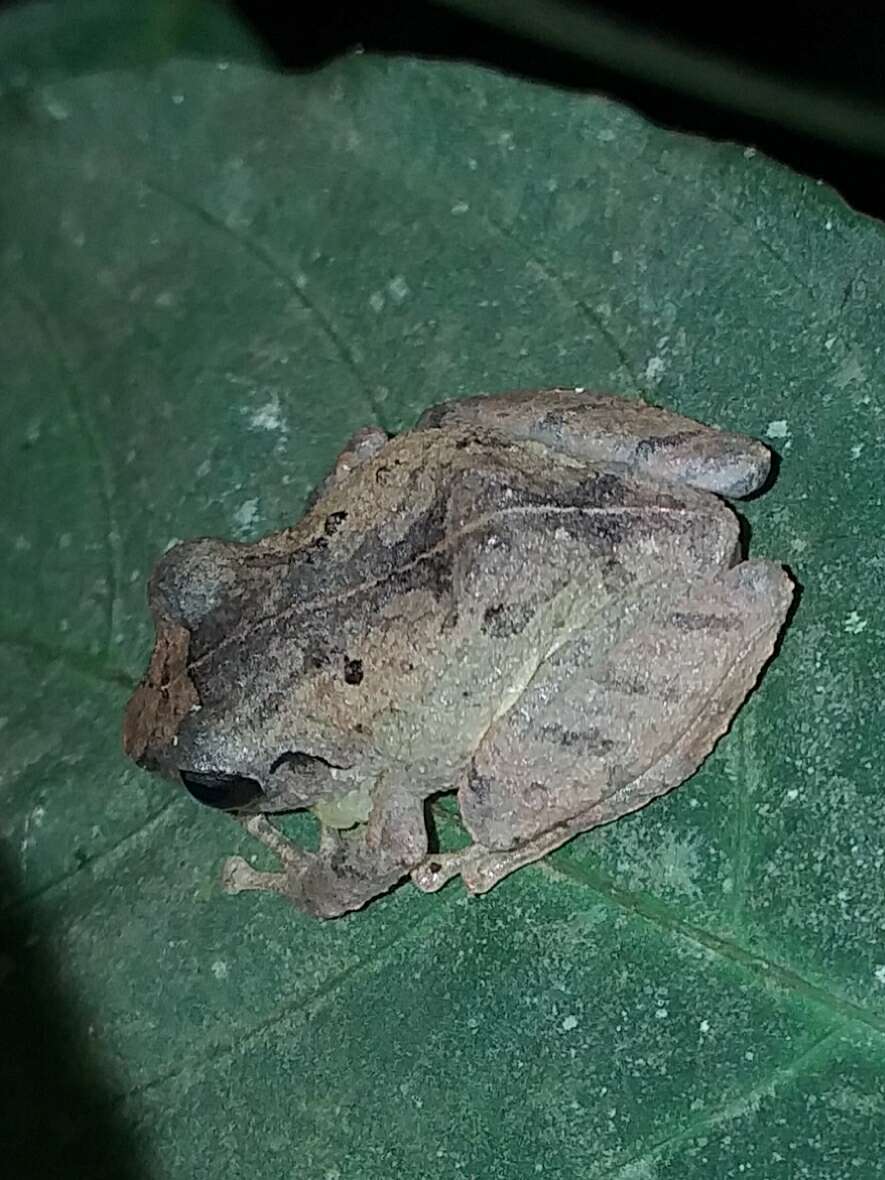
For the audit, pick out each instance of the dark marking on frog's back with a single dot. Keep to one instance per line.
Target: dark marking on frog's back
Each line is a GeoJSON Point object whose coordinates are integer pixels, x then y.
{"type": "Point", "coordinates": [590, 741]}
{"type": "Point", "coordinates": [375, 561]}
{"type": "Point", "coordinates": [552, 420]}
{"type": "Point", "coordinates": [664, 442]}
{"type": "Point", "coordinates": [353, 671]}
{"type": "Point", "coordinates": [216, 625]}
{"type": "Point", "coordinates": [505, 620]}
{"type": "Point", "coordinates": [698, 621]}
{"type": "Point", "coordinates": [617, 680]}
{"type": "Point", "coordinates": [333, 523]}
{"type": "Point", "coordinates": [604, 490]}
{"type": "Point", "coordinates": [603, 530]}
{"type": "Point", "coordinates": [479, 785]}
{"type": "Point", "coordinates": [427, 531]}
{"type": "Point", "coordinates": [306, 601]}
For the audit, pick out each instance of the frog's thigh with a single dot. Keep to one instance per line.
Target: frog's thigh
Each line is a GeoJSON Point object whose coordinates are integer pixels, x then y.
{"type": "Point", "coordinates": [594, 737]}
{"type": "Point", "coordinates": [627, 431]}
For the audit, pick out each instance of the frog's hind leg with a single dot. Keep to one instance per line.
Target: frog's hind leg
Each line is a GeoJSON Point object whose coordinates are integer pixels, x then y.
{"type": "Point", "coordinates": [480, 868]}
{"type": "Point", "coordinates": [605, 430]}
{"type": "Point", "coordinates": [587, 743]}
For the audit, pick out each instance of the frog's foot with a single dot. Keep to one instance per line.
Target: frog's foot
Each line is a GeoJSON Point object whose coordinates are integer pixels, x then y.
{"type": "Point", "coordinates": [237, 875]}
{"type": "Point", "coordinates": [349, 868]}
{"type": "Point", "coordinates": [482, 868]}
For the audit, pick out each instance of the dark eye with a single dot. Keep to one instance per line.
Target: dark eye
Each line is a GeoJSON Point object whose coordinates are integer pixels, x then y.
{"type": "Point", "coordinates": [225, 791]}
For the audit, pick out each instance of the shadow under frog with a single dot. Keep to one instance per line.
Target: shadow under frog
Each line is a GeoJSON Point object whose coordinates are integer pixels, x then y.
{"type": "Point", "coordinates": [536, 599]}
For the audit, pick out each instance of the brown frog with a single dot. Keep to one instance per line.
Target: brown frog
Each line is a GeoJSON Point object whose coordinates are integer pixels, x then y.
{"type": "Point", "coordinates": [535, 599]}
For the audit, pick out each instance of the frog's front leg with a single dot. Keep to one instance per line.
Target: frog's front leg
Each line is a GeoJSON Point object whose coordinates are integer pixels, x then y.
{"type": "Point", "coordinates": [237, 875]}
{"type": "Point", "coordinates": [605, 429]}
{"type": "Point", "coordinates": [349, 868]}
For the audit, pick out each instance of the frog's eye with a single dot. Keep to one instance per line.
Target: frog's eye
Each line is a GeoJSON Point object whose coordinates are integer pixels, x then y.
{"type": "Point", "coordinates": [228, 792]}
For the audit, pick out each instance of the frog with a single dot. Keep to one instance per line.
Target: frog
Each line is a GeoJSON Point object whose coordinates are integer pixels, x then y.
{"type": "Point", "coordinates": [535, 603]}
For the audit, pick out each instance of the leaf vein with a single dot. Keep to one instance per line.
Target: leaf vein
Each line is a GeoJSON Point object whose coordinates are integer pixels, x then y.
{"type": "Point", "coordinates": [769, 971]}
{"type": "Point", "coordinates": [95, 446]}
{"type": "Point", "coordinates": [733, 1108]}
{"type": "Point", "coordinates": [259, 252]}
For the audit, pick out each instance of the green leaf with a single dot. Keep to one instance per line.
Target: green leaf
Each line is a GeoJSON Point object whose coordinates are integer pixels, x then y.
{"type": "Point", "coordinates": [210, 277]}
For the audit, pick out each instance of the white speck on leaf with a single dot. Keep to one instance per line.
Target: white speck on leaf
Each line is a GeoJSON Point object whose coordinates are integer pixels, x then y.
{"type": "Point", "coordinates": [655, 367]}
{"type": "Point", "coordinates": [854, 624]}
{"type": "Point", "coordinates": [246, 517]}
{"type": "Point", "coordinates": [569, 1023]}
{"type": "Point", "coordinates": [704, 1026]}
{"type": "Point", "coordinates": [55, 109]}
{"type": "Point", "coordinates": [268, 417]}
{"type": "Point", "coordinates": [850, 372]}
{"type": "Point", "coordinates": [376, 301]}
{"type": "Point", "coordinates": [880, 974]}
{"type": "Point", "coordinates": [398, 288]}
{"type": "Point", "coordinates": [220, 969]}
{"type": "Point", "coordinates": [856, 450]}
{"type": "Point", "coordinates": [460, 207]}
{"type": "Point", "coordinates": [778, 429]}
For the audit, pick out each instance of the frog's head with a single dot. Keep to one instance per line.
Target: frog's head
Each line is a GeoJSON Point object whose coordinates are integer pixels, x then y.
{"type": "Point", "coordinates": [217, 723]}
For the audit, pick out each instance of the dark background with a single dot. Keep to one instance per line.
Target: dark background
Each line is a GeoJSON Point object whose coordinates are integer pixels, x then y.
{"type": "Point", "coordinates": [835, 48]}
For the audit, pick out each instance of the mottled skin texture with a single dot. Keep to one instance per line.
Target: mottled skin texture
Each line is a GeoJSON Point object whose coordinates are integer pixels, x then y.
{"type": "Point", "coordinates": [535, 599]}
